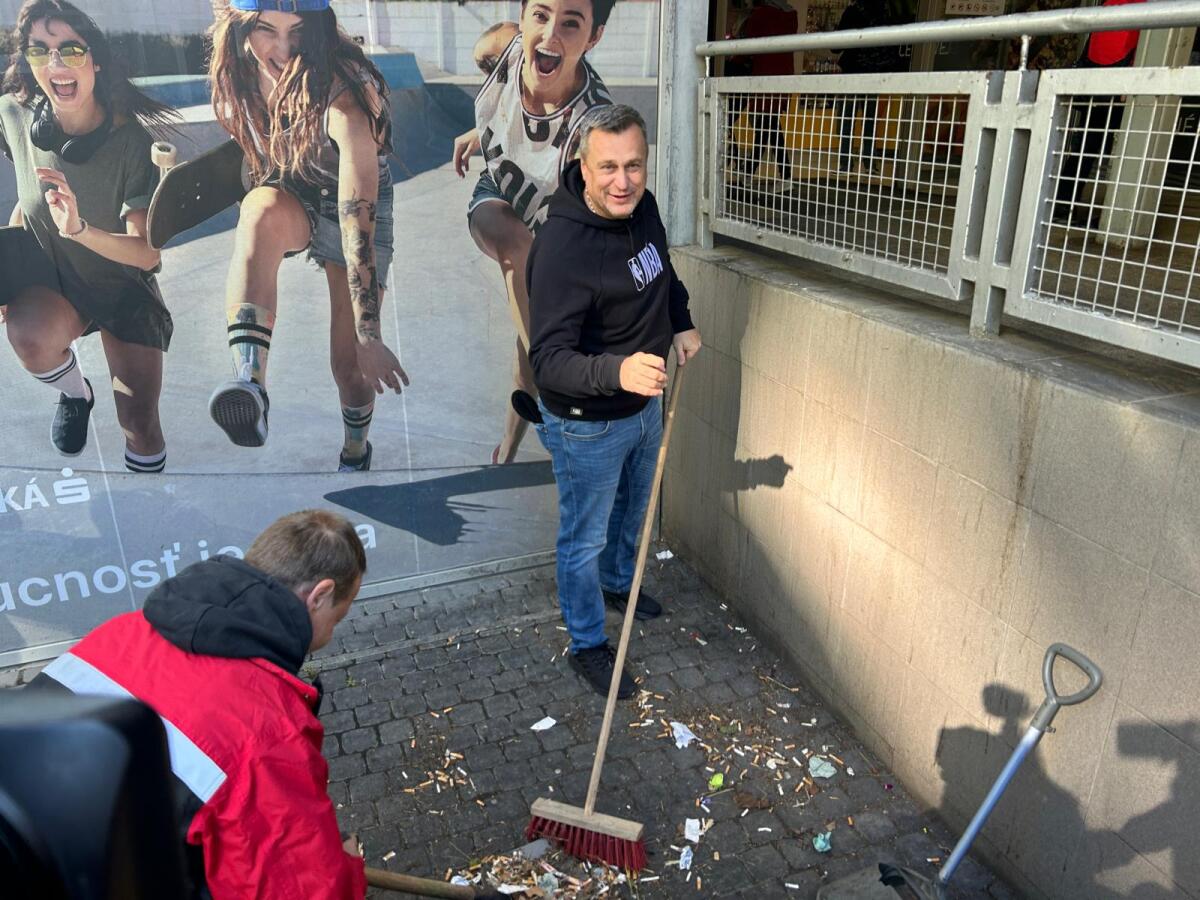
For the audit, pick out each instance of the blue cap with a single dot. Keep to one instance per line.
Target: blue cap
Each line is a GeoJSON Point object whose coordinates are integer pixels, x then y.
{"type": "Point", "coordinates": [287, 6]}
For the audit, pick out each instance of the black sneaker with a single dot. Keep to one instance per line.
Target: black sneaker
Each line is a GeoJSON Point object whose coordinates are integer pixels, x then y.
{"type": "Point", "coordinates": [69, 431]}
{"type": "Point", "coordinates": [362, 464]}
{"type": "Point", "coordinates": [240, 408]}
{"type": "Point", "coordinates": [647, 606]}
{"type": "Point", "coordinates": [595, 664]}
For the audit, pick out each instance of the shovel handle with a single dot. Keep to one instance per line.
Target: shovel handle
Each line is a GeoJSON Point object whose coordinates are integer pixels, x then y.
{"type": "Point", "coordinates": [1054, 700]}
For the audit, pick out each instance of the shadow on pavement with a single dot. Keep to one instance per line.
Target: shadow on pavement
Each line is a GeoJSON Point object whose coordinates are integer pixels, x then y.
{"type": "Point", "coordinates": [427, 508]}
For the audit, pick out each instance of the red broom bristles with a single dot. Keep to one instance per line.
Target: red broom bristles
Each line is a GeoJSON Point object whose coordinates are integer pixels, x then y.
{"type": "Point", "coordinates": [583, 843]}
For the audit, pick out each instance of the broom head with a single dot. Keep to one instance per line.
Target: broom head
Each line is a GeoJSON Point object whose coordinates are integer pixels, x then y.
{"type": "Point", "coordinates": [595, 837]}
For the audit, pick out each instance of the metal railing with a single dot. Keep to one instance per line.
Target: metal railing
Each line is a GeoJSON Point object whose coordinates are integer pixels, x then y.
{"type": "Point", "coordinates": [1070, 198]}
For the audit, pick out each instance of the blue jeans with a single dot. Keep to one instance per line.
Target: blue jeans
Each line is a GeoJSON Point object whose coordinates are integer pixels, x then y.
{"type": "Point", "coordinates": [604, 472]}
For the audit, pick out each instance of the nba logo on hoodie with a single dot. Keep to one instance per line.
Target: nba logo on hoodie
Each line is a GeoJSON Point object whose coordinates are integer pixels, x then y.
{"type": "Point", "coordinates": [646, 266]}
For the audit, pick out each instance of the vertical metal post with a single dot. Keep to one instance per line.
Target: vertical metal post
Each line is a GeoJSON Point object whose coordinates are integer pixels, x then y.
{"type": "Point", "coordinates": [1143, 145]}
{"type": "Point", "coordinates": [706, 158]}
{"type": "Point", "coordinates": [1009, 114]}
{"type": "Point", "coordinates": [372, 43]}
{"type": "Point", "coordinates": [682, 25]}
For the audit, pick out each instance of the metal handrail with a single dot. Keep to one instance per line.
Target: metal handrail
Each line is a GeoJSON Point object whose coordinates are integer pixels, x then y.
{"type": "Point", "coordinates": [1137, 16]}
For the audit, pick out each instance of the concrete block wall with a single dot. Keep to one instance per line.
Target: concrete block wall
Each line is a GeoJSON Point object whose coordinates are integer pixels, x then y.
{"type": "Point", "coordinates": [913, 516]}
{"type": "Point", "coordinates": [441, 33]}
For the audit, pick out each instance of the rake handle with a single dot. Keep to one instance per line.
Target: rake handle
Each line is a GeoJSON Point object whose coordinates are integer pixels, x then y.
{"type": "Point", "coordinates": [635, 589]}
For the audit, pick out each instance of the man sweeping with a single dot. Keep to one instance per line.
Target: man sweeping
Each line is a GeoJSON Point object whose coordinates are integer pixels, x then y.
{"type": "Point", "coordinates": [216, 652]}
{"type": "Point", "coordinates": [605, 308]}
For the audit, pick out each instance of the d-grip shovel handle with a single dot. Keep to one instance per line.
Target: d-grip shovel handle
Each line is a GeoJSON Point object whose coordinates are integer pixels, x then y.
{"type": "Point", "coordinates": [1054, 700]}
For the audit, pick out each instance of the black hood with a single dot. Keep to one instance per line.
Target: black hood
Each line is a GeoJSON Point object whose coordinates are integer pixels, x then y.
{"type": "Point", "coordinates": [226, 607]}
{"type": "Point", "coordinates": [568, 203]}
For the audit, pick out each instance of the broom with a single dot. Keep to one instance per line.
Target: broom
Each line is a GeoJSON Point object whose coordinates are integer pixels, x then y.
{"type": "Point", "coordinates": [426, 887]}
{"type": "Point", "coordinates": [585, 833]}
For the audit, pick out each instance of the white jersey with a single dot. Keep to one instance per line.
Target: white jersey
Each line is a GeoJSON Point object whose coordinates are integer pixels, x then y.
{"type": "Point", "coordinates": [526, 154]}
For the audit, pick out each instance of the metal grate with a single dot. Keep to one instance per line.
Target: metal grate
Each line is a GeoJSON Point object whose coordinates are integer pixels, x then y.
{"type": "Point", "coordinates": [875, 174]}
{"type": "Point", "coordinates": [1120, 219]}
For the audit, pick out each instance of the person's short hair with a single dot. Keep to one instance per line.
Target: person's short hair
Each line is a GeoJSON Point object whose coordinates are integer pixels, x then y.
{"type": "Point", "coordinates": [601, 10]}
{"type": "Point", "coordinates": [304, 547]}
{"type": "Point", "coordinates": [611, 119]}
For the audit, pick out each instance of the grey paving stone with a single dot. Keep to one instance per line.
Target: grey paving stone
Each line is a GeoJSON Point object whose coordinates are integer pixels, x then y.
{"type": "Point", "coordinates": [509, 681]}
{"type": "Point", "coordinates": [359, 739]}
{"type": "Point", "coordinates": [467, 714]}
{"type": "Point", "coordinates": [342, 768]}
{"type": "Point", "coordinates": [335, 722]}
{"type": "Point", "coordinates": [372, 713]}
{"type": "Point", "coordinates": [689, 679]}
{"type": "Point", "coordinates": [408, 707]}
{"type": "Point", "coordinates": [442, 697]}
{"type": "Point", "coordinates": [395, 730]}
{"type": "Point", "coordinates": [473, 688]}
{"type": "Point", "coordinates": [347, 698]}
{"type": "Point", "coordinates": [485, 665]}
{"type": "Point", "coordinates": [382, 740]}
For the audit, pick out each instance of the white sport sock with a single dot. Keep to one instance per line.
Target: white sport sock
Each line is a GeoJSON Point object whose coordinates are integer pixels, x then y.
{"type": "Point", "coordinates": [67, 378]}
{"type": "Point", "coordinates": [137, 463]}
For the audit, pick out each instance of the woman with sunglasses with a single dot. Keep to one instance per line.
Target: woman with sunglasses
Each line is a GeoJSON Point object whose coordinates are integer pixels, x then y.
{"type": "Point", "coordinates": [75, 129]}
{"type": "Point", "coordinates": [310, 111]}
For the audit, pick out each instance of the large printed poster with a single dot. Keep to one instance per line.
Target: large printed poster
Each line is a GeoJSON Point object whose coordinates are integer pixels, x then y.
{"type": "Point", "coordinates": [163, 406]}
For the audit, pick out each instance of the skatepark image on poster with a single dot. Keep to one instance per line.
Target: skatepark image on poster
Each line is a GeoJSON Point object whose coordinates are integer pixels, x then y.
{"type": "Point", "coordinates": [83, 539]}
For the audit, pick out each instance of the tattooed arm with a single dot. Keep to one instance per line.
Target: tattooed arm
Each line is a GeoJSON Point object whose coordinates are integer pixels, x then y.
{"type": "Point", "coordinates": [358, 193]}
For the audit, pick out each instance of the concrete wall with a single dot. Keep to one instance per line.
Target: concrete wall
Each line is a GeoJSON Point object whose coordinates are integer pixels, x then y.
{"type": "Point", "coordinates": [440, 33]}
{"type": "Point", "coordinates": [913, 516]}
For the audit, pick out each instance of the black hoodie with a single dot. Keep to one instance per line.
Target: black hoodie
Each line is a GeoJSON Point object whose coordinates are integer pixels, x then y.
{"type": "Point", "coordinates": [226, 607]}
{"type": "Point", "coordinates": [599, 290]}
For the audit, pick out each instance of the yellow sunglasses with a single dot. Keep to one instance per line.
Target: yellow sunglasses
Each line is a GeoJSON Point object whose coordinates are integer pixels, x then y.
{"type": "Point", "coordinates": [72, 55]}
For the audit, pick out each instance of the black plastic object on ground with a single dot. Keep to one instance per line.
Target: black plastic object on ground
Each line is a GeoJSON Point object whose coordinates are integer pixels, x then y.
{"type": "Point", "coordinates": [85, 800]}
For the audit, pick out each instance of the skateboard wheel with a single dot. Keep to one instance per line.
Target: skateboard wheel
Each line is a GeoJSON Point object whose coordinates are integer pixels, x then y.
{"type": "Point", "coordinates": [163, 154]}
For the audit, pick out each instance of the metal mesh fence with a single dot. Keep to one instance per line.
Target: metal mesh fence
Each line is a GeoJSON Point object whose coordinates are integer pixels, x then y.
{"type": "Point", "coordinates": [875, 174]}
{"type": "Point", "coordinates": [1120, 219]}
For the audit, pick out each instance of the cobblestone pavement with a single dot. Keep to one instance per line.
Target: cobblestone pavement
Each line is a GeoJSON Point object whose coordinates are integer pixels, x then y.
{"type": "Point", "coordinates": [430, 699]}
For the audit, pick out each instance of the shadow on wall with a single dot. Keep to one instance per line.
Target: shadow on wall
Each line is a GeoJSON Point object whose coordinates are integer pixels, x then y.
{"type": "Point", "coordinates": [1171, 826]}
{"type": "Point", "coordinates": [970, 759]}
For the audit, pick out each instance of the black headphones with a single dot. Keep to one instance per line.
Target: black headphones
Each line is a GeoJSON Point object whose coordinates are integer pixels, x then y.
{"type": "Point", "coordinates": [46, 134]}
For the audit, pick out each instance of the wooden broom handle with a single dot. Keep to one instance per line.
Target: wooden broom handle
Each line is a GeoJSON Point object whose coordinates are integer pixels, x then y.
{"type": "Point", "coordinates": [634, 590]}
{"type": "Point", "coordinates": [422, 887]}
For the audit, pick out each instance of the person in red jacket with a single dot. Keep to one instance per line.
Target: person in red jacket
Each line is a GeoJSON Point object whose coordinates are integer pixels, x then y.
{"type": "Point", "coordinates": [216, 652]}
{"type": "Point", "coordinates": [1090, 138]}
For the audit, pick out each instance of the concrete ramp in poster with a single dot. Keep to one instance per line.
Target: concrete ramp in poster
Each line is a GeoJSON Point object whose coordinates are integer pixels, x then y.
{"type": "Point", "coordinates": [81, 540]}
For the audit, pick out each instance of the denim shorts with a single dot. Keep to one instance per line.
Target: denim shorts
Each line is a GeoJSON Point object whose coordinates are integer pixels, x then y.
{"type": "Point", "coordinates": [325, 243]}
{"type": "Point", "coordinates": [485, 189]}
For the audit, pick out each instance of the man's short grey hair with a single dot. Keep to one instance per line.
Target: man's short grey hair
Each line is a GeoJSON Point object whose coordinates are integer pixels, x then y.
{"type": "Point", "coordinates": [611, 119]}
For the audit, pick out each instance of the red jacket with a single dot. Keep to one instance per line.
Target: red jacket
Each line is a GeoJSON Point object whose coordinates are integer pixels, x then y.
{"type": "Point", "coordinates": [1110, 48]}
{"type": "Point", "coordinates": [246, 744]}
{"type": "Point", "coordinates": [767, 21]}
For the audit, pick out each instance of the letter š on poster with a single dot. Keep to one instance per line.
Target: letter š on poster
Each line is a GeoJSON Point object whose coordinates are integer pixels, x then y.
{"type": "Point", "coordinates": [61, 492]}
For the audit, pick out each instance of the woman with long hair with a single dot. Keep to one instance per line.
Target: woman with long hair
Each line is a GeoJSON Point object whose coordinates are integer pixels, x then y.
{"type": "Point", "coordinates": [310, 111]}
{"type": "Point", "coordinates": [76, 131]}
{"type": "Point", "coordinates": [539, 89]}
